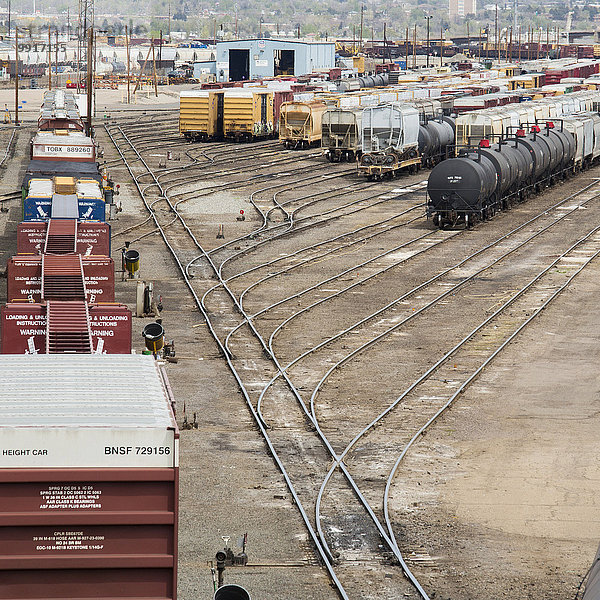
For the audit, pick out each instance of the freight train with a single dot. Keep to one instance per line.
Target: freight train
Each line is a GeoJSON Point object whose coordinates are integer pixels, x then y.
{"type": "Point", "coordinates": [60, 285]}
{"type": "Point", "coordinates": [510, 157]}
{"type": "Point", "coordinates": [90, 438]}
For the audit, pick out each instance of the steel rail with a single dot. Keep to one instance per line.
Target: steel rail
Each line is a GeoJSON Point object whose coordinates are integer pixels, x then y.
{"type": "Point", "coordinates": [283, 369]}
{"type": "Point", "coordinates": [324, 557]}
{"type": "Point", "coordinates": [465, 384]}
{"type": "Point", "coordinates": [376, 521]}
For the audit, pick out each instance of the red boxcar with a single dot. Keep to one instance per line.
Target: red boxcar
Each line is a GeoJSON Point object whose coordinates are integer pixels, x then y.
{"type": "Point", "coordinates": [24, 328]}
{"type": "Point", "coordinates": [89, 478]}
{"type": "Point", "coordinates": [24, 278]}
{"type": "Point", "coordinates": [93, 238]}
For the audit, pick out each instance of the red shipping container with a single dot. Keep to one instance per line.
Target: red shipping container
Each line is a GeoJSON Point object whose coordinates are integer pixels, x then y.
{"type": "Point", "coordinates": [24, 278]}
{"type": "Point", "coordinates": [88, 479]}
{"type": "Point", "coordinates": [92, 238]}
{"type": "Point", "coordinates": [24, 328]}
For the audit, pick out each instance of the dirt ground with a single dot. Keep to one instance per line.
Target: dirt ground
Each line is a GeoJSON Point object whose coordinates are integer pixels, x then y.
{"type": "Point", "coordinates": [499, 500]}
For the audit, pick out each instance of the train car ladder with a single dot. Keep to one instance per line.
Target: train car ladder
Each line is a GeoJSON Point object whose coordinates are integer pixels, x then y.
{"type": "Point", "coordinates": [61, 236]}
{"type": "Point", "coordinates": [68, 327]}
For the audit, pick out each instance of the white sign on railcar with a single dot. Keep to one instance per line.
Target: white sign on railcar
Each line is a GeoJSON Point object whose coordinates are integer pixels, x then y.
{"type": "Point", "coordinates": [87, 447]}
{"type": "Point", "coordinates": [43, 150]}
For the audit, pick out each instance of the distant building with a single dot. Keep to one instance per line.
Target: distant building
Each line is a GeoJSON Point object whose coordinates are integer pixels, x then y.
{"type": "Point", "coordinates": [461, 8]}
{"type": "Point", "coordinates": [250, 59]}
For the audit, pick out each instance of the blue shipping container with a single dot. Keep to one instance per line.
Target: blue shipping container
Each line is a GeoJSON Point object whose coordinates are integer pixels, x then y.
{"type": "Point", "coordinates": [40, 209]}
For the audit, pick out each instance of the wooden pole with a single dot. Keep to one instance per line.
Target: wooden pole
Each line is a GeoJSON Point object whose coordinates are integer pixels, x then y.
{"type": "Point", "coordinates": [442, 44]}
{"type": "Point", "coordinates": [406, 48]}
{"type": "Point", "coordinates": [49, 58]}
{"type": "Point", "coordinates": [362, 13]}
{"type": "Point", "coordinates": [509, 49]}
{"type": "Point", "coordinates": [154, 72]}
{"type": "Point", "coordinates": [128, 65]}
{"type": "Point", "coordinates": [480, 36]}
{"type": "Point", "coordinates": [468, 39]}
{"type": "Point", "coordinates": [16, 75]}
{"type": "Point", "coordinates": [496, 34]}
{"type": "Point", "coordinates": [519, 42]}
{"type": "Point", "coordinates": [415, 47]}
{"type": "Point", "coordinates": [137, 83]}
{"type": "Point", "coordinates": [89, 85]}
{"type": "Point", "coordinates": [547, 41]}
{"type": "Point", "coordinates": [56, 57]}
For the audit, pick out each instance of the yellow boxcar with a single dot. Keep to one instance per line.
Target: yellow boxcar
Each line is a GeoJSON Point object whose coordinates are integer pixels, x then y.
{"type": "Point", "coordinates": [201, 114]}
{"type": "Point", "coordinates": [247, 114]}
{"type": "Point", "coordinates": [300, 123]}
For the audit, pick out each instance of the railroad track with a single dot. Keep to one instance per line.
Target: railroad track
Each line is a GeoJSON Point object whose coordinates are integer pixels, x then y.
{"type": "Point", "coordinates": [302, 412]}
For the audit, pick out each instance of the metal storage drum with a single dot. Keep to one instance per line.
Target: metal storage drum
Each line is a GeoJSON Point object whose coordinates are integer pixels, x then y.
{"type": "Point", "coordinates": [154, 335]}
{"type": "Point", "coordinates": [462, 184]}
{"type": "Point", "coordinates": [231, 592]}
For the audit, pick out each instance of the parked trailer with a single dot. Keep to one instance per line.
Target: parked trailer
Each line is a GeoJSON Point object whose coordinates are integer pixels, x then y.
{"type": "Point", "coordinates": [89, 478]}
{"type": "Point", "coordinates": [341, 129]}
{"type": "Point", "coordinates": [24, 328]}
{"type": "Point", "coordinates": [300, 123]}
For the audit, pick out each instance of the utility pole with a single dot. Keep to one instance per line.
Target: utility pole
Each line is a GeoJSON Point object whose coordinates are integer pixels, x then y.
{"type": "Point", "coordinates": [16, 75]}
{"type": "Point", "coordinates": [480, 36]}
{"type": "Point", "coordinates": [49, 58]}
{"type": "Point", "coordinates": [385, 43]}
{"type": "Point", "coordinates": [89, 84]}
{"type": "Point", "coordinates": [8, 18]}
{"type": "Point", "coordinates": [442, 44]}
{"type": "Point", "coordinates": [169, 23]}
{"type": "Point", "coordinates": [496, 34]}
{"type": "Point", "coordinates": [509, 49]}
{"type": "Point", "coordinates": [154, 71]}
{"type": "Point", "coordinates": [428, 17]}
{"type": "Point", "coordinates": [362, 12]}
{"type": "Point", "coordinates": [56, 58]}
{"type": "Point", "coordinates": [236, 24]}
{"type": "Point", "coordinates": [415, 47]}
{"type": "Point", "coordinates": [547, 41]}
{"type": "Point", "coordinates": [405, 49]}
{"type": "Point", "coordinates": [519, 42]}
{"type": "Point", "coordinates": [468, 39]}
{"type": "Point", "coordinates": [128, 64]}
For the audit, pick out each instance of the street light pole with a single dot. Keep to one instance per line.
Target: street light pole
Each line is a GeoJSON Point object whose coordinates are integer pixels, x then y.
{"type": "Point", "coordinates": [428, 17]}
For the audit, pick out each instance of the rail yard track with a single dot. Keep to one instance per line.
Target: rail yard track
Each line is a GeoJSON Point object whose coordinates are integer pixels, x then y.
{"type": "Point", "coordinates": [317, 296]}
